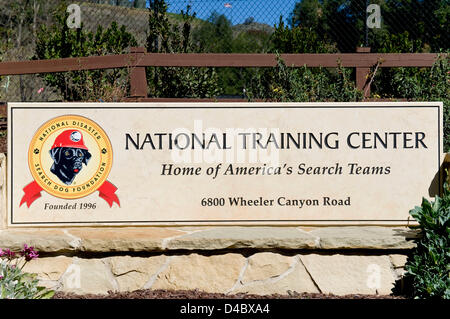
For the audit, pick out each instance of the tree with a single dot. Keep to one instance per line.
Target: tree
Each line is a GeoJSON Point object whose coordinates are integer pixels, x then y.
{"type": "Point", "coordinates": [427, 21]}
{"type": "Point", "coordinates": [167, 37]}
{"type": "Point", "coordinates": [343, 21]}
{"type": "Point", "coordinates": [159, 32]}
{"type": "Point", "coordinates": [249, 20]}
{"type": "Point", "coordinates": [215, 34]}
{"type": "Point", "coordinates": [308, 13]}
{"type": "Point", "coordinates": [330, 19]}
{"type": "Point", "coordinates": [299, 39]}
{"type": "Point", "coordinates": [141, 4]}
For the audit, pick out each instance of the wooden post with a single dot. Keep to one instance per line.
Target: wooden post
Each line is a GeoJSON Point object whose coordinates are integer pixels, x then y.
{"type": "Point", "coordinates": [138, 78]}
{"type": "Point", "coordinates": [362, 74]}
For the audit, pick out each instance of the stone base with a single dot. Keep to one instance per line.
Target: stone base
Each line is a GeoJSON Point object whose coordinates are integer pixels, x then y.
{"type": "Point", "coordinates": [257, 260]}
{"type": "Point", "coordinates": [260, 273]}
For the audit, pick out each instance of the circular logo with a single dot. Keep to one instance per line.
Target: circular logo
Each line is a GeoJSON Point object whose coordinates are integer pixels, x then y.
{"type": "Point", "coordinates": [70, 156]}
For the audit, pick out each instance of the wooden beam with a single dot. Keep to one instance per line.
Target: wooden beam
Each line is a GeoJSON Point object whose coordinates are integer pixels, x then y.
{"type": "Point", "coordinates": [295, 60]}
{"type": "Point", "coordinates": [67, 64]}
{"type": "Point", "coordinates": [216, 60]}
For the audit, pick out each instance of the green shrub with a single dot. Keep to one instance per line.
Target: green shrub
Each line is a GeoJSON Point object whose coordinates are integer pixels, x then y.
{"type": "Point", "coordinates": [298, 39]}
{"type": "Point", "coordinates": [428, 268]}
{"type": "Point", "coordinates": [58, 41]}
{"type": "Point", "coordinates": [288, 84]}
{"type": "Point", "coordinates": [16, 284]}
{"type": "Point", "coordinates": [427, 84]}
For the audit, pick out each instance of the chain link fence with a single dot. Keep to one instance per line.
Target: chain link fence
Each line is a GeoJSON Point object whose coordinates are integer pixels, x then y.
{"type": "Point", "coordinates": [237, 25]}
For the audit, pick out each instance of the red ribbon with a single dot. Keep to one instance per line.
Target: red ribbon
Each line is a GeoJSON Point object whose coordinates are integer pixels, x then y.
{"type": "Point", "coordinates": [106, 191]}
{"type": "Point", "coordinates": [33, 192]}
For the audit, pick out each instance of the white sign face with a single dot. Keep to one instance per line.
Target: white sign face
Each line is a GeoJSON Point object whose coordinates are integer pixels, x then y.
{"type": "Point", "coordinates": [220, 163]}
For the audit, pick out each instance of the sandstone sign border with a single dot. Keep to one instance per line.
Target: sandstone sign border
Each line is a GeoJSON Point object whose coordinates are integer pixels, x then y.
{"type": "Point", "coordinates": [82, 106]}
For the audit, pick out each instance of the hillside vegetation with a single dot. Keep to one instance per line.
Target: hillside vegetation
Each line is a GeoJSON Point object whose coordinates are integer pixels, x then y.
{"type": "Point", "coordinates": [21, 17]}
{"type": "Point", "coordinates": [22, 20]}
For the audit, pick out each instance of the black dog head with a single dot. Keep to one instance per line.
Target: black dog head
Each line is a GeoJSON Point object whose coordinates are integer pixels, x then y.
{"type": "Point", "coordinates": [68, 162]}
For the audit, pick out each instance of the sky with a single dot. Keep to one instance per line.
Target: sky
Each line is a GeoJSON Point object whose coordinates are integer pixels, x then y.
{"type": "Point", "coordinates": [263, 11]}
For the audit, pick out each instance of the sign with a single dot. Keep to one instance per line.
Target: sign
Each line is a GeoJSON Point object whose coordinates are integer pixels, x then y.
{"type": "Point", "coordinates": [220, 163]}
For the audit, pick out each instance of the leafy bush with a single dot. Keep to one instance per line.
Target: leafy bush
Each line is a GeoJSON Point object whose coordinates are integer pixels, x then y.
{"type": "Point", "coordinates": [287, 84]}
{"type": "Point", "coordinates": [298, 39]}
{"type": "Point", "coordinates": [386, 42]}
{"type": "Point", "coordinates": [429, 266]}
{"type": "Point", "coordinates": [16, 284]}
{"type": "Point", "coordinates": [428, 84]}
{"type": "Point", "coordinates": [383, 41]}
{"type": "Point", "coordinates": [428, 269]}
{"type": "Point", "coordinates": [59, 41]}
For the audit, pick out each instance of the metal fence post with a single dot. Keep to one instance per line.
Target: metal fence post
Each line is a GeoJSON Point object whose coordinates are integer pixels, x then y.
{"type": "Point", "coordinates": [362, 74]}
{"type": "Point", "coordinates": [138, 78]}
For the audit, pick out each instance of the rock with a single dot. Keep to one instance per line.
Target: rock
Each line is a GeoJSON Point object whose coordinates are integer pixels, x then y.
{"type": "Point", "coordinates": [350, 274]}
{"type": "Point", "coordinates": [124, 239]}
{"type": "Point", "coordinates": [398, 261]}
{"type": "Point", "coordinates": [295, 279]}
{"type": "Point", "coordinates": [88, 276]}
{"type": "Point", "coordinates": [207, 238]}
{"type": "Point", "coordinates": [48, 268]}
{"type": "Point", "coordinates": [217, 273]}
{"type": "Point", "coordinates": [43, 240]}
{"type": "Point", "coordinates": [262, 266]}
{"type": "Point", "coordinates": [132, 273]}
{"type": "Point", "coordinates": [368, 237]}
{"type": "Point", "coordinates": [262, 273]}
{"type": "Point", "coordinates": [244, 237]}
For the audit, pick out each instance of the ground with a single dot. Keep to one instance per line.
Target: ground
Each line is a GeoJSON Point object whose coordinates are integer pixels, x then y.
{"type": "Point", "coordinates": [195, 294]}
